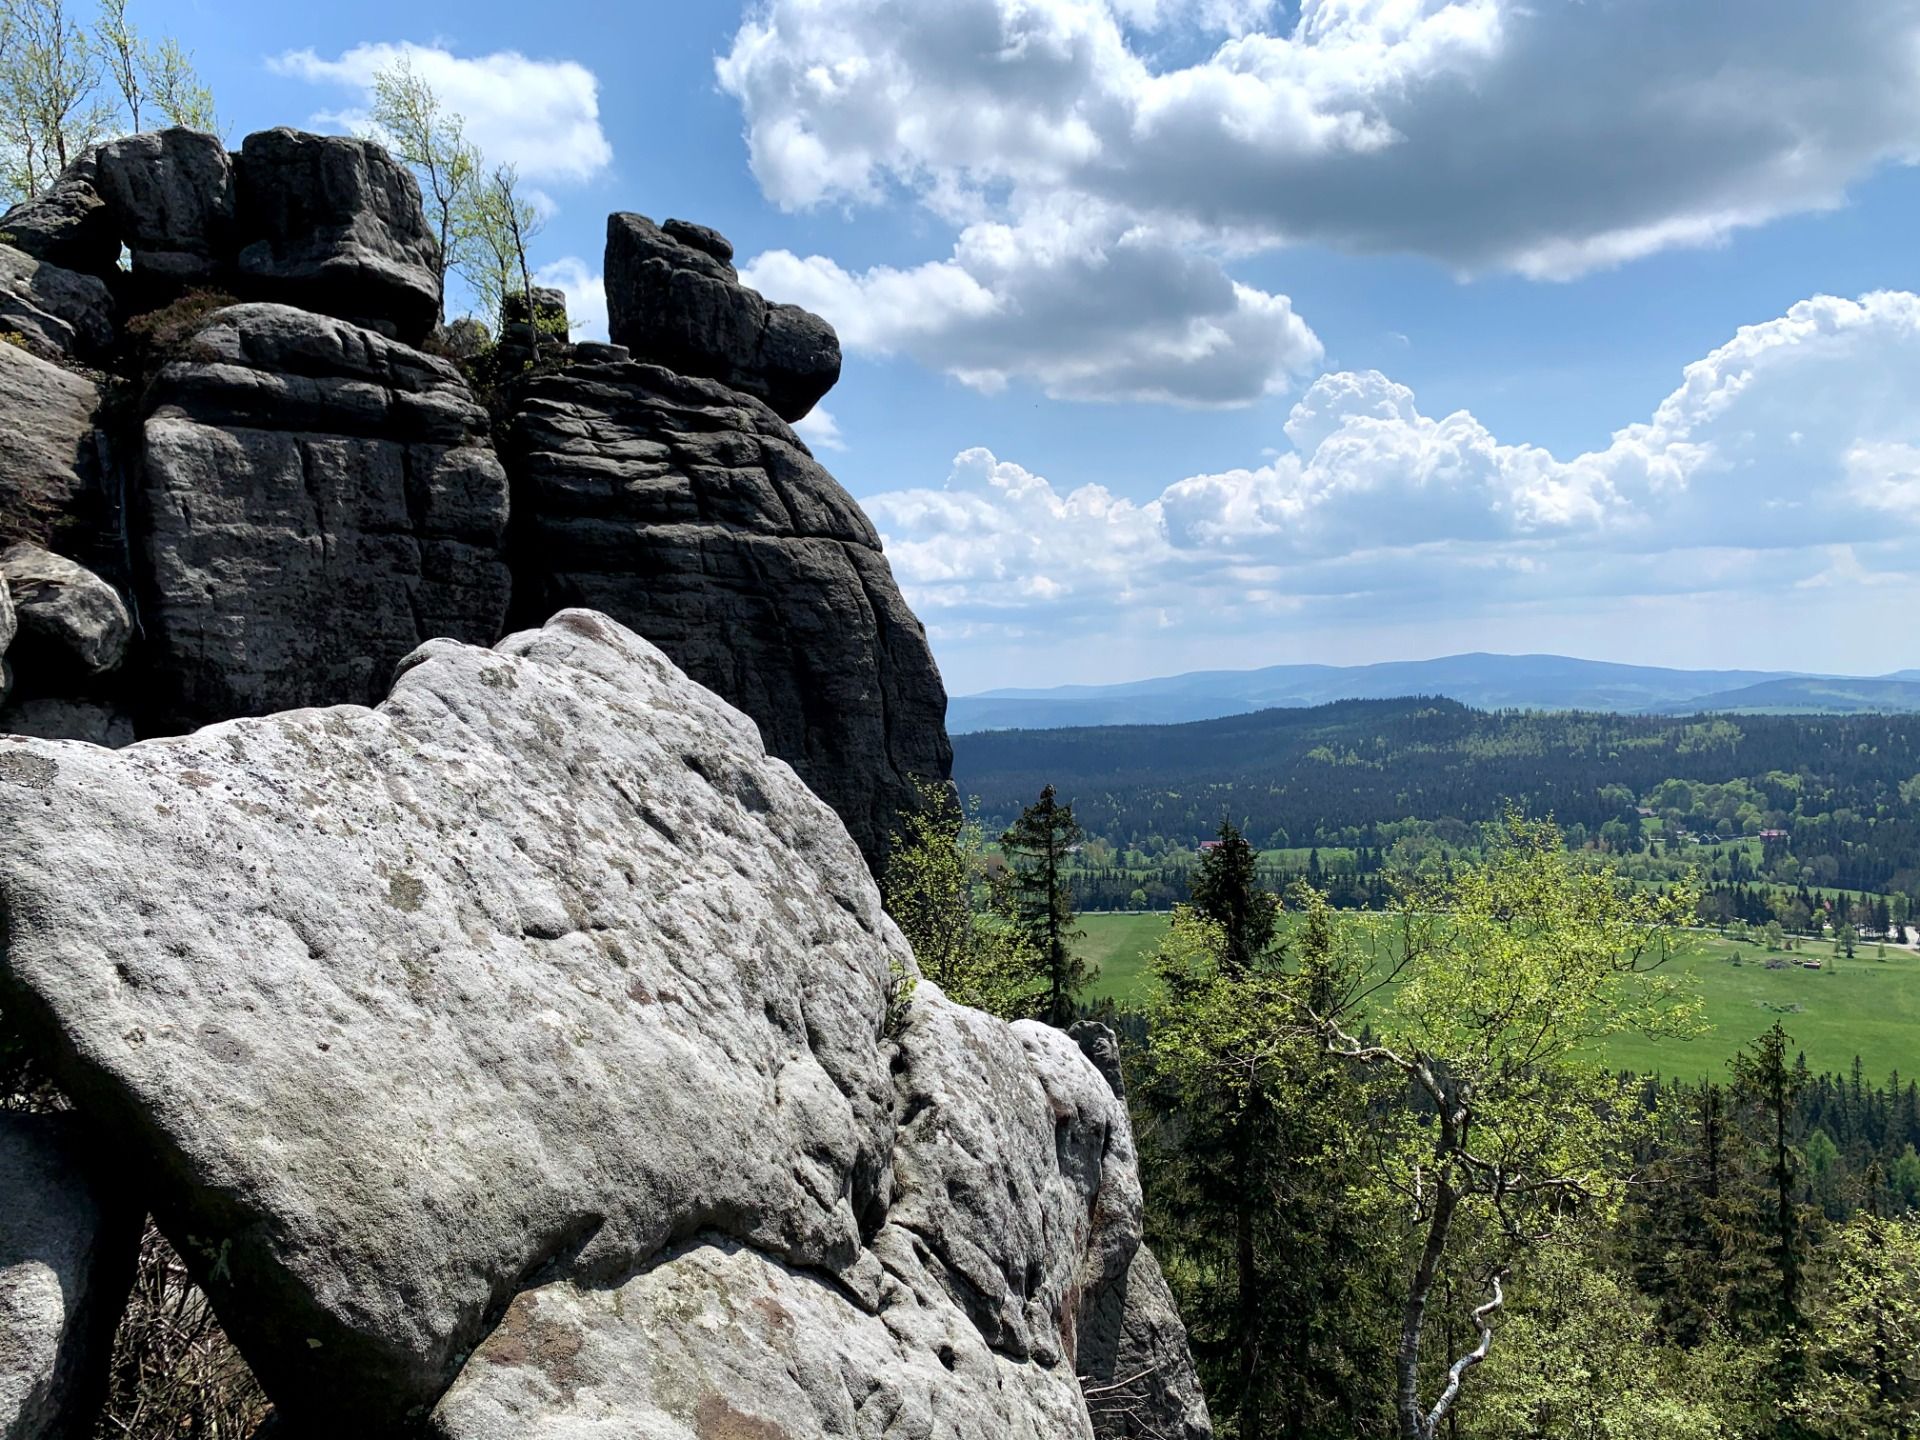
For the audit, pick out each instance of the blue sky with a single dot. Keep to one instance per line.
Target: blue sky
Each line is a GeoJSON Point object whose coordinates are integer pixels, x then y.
{"type": "Point", "coordinates": [1194, 333]}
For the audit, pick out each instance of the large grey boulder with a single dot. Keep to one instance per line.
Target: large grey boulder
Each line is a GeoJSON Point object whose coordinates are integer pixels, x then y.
{"type": "Point", "coordinates": [333, 223]}
{"type": "Point", "coordinates": [55, 311]}
{"type": "Point", "coordinates": [314, 502]}
{"type": "Point", "coordinates": [71, 622]}
{"type": "Point", "coordinates": [535, 969]}
{"type": "Point", "coordinates": [695, 515]}
{"type": "Point", "coordinates": [1013, 1179]}
{"type": "Point", "coordinates": [68, 224]}
{"type": "Point", "coordinates": [719, 1342]}
{"type": "Point", "coordinates": [49, 452]}
{"type": "Point", "coordinates": [171, 196]}
{"type": "Point", "coordinates": [66, 1260]}
{"type": "Point", "coordinates": [674, 299]}
{"type": "Point", "coordinates": [528, 1053]}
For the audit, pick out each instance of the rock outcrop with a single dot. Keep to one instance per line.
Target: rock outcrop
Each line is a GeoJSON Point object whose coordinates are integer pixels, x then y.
{"type": "Point", "coordinates": [67, 224]}
{"type": "Point", "coordinates": [55, 312]}
{"type": "Point", "coordinates": [313, 502]}
{"type": "Point", "coordinates": [675, 300]}
{"type": "Point", "coordinates": [693, 514]}
{"type": "Point", "coordinates": [50, 453]}
{"type": "Point", "coordinates": [71, 622]}
{"type": "Point", "coordinates": [541, 992]}
{"type": "Point", "coordinates": [526, 1053]}
{"type": "Point", "coordinates": [171, 196]}
{"type": "Point", "coordinates": [66, 1260]}
{"type": "Point", "coordinates": [332, 223]}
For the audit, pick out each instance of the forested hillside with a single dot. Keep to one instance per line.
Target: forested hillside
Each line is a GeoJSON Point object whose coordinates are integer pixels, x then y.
{"type": "Point", "coordinates": [1837, 791]}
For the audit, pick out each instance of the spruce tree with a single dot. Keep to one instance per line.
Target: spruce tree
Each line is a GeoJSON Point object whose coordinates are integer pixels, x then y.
{"type": "Point", "coordinates": [1041, 901]}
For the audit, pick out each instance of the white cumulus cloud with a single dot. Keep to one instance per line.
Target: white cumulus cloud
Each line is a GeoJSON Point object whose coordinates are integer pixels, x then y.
{"type": "Point", "coordinates": [1788, 454]}
{"type": "Point", "coordinates": [1544, 138]}
{"type": "Point", "coordinates": [541, 115]}
{"type": "Point", "coordinates": [1084, 306]}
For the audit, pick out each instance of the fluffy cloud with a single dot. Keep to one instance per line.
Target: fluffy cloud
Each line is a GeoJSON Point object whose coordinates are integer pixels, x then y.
{"type": "Point", "coordinates": [820, 430]}
{"type": "Point", "coordinates": [1789, 457]}
{"type": "Point", "coordinates": [1077, 304]}
{"type": "Point", "coordinates": [1545, 138]}
{"type": "Point", "coordinates": [541, 115]}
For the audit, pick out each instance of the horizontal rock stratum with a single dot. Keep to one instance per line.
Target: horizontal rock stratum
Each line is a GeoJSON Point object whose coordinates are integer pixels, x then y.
{"type": "Point", "coordinates": [527, 1056]}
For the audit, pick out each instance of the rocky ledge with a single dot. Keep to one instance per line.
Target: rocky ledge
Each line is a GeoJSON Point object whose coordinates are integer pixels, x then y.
{"type": "Point", "coordinates": [532, 1051]}
{"type": "Point", "coordinates": [288, 493]}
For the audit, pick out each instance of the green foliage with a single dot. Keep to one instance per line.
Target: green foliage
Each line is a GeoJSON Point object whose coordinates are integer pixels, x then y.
{"type": "Point", "coordinates": [1862, 1373]}
{"type": "Point", "coordinates": [1579, 1356]}
{"type": "Point", "coordinates": [1259, 1176]}
{"type": "Point", "coordinates": [64, 87]}
{"type": "Point", "coordinates": [410, 119]}
{"type": "Point", "coordinates": [1038, 899]}
{"type": "Point", "coordinates": [934, 883]}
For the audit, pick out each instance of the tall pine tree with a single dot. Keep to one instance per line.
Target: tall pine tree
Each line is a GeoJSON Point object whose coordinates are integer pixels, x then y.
{"type": "Point", "coordinates": [1040, 900]}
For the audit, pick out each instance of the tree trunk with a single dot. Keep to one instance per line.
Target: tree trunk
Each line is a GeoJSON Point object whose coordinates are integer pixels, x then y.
{"type": "Point", "coordinates": [1413, 1420]}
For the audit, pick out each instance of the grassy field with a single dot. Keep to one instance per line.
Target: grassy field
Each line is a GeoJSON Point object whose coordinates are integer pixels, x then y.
{"type": "Point", "coordinates": [1863, 1006]}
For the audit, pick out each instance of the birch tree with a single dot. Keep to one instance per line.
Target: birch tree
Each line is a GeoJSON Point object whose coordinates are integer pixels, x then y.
{"type": "Point", "coordinates": [427, 136]}
{"type": "Point", "coordinates": [1508, 975]}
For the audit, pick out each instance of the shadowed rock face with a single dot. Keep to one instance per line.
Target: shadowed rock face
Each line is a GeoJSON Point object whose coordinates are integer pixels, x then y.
{"type": "Point", "coordinates": [171, 195]}
{"type": "Point", "coordinates": [66, 1260]}
{"type": "Point", "coordinates": [56, 312]}
{"type": "Point", "coordinates": [334, 224]}
{"type": "Point", "coordinates": [695, 515]}
{"type": "Point", "coordinates": [314, 501]}
{"type": "Point", "coordinates": [49, 452]}
{"type": "Point", "coordinates": [674, 299]}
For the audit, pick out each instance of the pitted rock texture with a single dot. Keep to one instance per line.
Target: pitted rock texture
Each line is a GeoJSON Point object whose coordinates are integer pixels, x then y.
{"type": "Point", "coordinates": [66, 1260]}
{"type": "Point", "coordinates": [333, 223]}
{"type": "Point", "coordinates": [56, 312]}
{"type": "Point", "coordinates": [50, 462]}
{"type": "Point", "coordinates": [674, 299]}
{"type": "Point", "coordinates": [695, 515]}
{"type": "Point", "coordinates": [314, 502]}
{"type": "Point", "coordinates": [537, 968]}
{"type": "Point", "coordinates": [719, 1342]}
{"type": "Point", "coordinates": [171, 196]}
{"type": "Point", "coordinates": [70, 620]}
{"type": "Point", "coordinates": [1013, 1168]}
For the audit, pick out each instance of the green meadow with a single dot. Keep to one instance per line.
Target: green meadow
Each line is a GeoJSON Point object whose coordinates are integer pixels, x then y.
{"type": "Point", "coordinates": [1862, 1006]}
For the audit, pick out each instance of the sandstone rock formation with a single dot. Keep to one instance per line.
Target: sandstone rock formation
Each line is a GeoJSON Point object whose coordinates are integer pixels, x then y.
{"type": "Point", "coordinates": [313, 502]}
{"type": "Point", "coordinates": [171, 196]}
{"type": "Point", "coordinates": [695, 515]}
{"type": "Point", "coordinates": [54, 311]}
{"type": "Point", "coordinates": [66, 1259]}
{"type": "Point", "coordinates": [67, 224]}
{"type": "Point", "coordinates": [70, 619]}
{"type": "Point", "coordinates": [528, 1055]}
{"type": "Point", "coordinates": [493, 1038]}
{"type": "Point", "coordinates": [301, 500]}
{"type": "Point", "coordinates": [332, 223]}
{"type": "Point", "coordinates": [49, 450]}
{"type": "Point", "coordinates": [674, 299]}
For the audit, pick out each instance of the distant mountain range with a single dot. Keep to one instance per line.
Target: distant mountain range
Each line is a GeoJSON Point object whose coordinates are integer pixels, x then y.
{"type": "Point", "coordinates": [1487, 682]}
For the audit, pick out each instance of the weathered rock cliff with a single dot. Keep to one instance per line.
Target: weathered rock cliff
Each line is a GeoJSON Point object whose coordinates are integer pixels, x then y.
{"type": "Point", "coordinates": [290, 495]}
{"type": "Point", "coordinates": [539, 1011]}
{"type": "Point", "coordinates": [529, 1052]}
